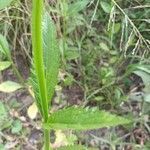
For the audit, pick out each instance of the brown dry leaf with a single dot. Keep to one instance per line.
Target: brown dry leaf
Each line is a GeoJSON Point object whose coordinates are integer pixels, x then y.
{"type": "Point", "coordinates": [32, 111]}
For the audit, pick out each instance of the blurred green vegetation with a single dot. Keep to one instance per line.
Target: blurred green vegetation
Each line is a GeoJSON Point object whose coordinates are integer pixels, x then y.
{"type": "Point", "coordinates": [105, 50]}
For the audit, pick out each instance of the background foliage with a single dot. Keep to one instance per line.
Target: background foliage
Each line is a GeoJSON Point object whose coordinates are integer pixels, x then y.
{"type": "Point", "coordinates": [105, 58]}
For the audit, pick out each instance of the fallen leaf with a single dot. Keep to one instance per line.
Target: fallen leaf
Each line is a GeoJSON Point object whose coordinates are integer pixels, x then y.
{"type": "Point", "coordinates": [32, 111]}
{"type": "Point", "coordinates": [9, 86]}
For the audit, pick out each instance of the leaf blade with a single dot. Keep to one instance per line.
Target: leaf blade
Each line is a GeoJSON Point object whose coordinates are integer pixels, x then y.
{"type": "Point", "coordinates": [76, 7]}
{"type": "Point", "coordinates": [4, 65]}
{"type": "Point", "coordinates": [51, 54]}
{"type": "Point", "coordinates": [83, 119]}
{"type": "Point", "coordinates": [35, 86]}
{"type": "Point", "coordinates": [9, 86]}
{"type": "Point", "coordinates": [4, 46]}
{"type": "Point", "coordinates": [5, 120]}
{"type": "Point", "coordinates": [105, 6]}
{"type": "Point", "coordinates": [4, 3]}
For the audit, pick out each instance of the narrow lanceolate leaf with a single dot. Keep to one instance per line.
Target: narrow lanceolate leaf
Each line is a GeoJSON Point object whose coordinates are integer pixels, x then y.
{"type": "Point", "coordinates": [4, 65]}
{"type": "Point", "coordinates": [83, 119]}
{"type": "Point", "coordinates": [4, 47]}
{"type": "Point", "coordinates": [51, 54]}
{"type": "Point", "coordinates": [4, 3]}
{"type": "Point", "coordinates": [9, 86]}
{"type": "Point", "coordinates": [106, 6]}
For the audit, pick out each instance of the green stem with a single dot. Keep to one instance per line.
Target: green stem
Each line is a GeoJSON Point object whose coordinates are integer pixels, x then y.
{"type": "Point", "coordinates": [46, 139]}
{"type": "Point", "coordinates": [37, 43]}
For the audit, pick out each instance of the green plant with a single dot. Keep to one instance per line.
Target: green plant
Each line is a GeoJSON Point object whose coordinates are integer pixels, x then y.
{"type": "Point", "coordinates": [7, 122]}
{"type": "Point", "coordinates": [44, 78]}
{"type": "Point", "coordinates": [5, 3]}
{"type": "Point", "coordinates": [6, 60]}
{"type": "Point", "coordinates": [8, 86]}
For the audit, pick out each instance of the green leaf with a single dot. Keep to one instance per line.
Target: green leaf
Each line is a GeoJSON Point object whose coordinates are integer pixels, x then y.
{"type": "Point", "coordinates": [4, 47]}
{"type": "Point", "coordinates": [117, 27]}
{"type": "Point", "coordinates": [145, 68]}
{"type": "Point", "coordinates": [144, 76]}
{"type": "Point", "coordinates": [16, 127]}
{"type": "Point", "coordinates": [137, 67]}
{"type": "Point", "coordinates": [9, 86]}
{"type": "Point", "coordinates": [4, 65]}
{"type": "Point", "coordinates": [74, 147]}
{"type": "Point", "coordinates": [72, 55]}
{"type": "Point", "coordinates": [82, 119]}
{"type": "Point", "coordinates": [3, 114]}
{"type": "Point", "coordinates": [35, 86]}
{"type": "Point", "coordinates": [104, 46]}
{"type": "Point", "coordinates": [51, 54]}
{"type": "Point", "coordinates": [106, 6]}
{"type": "Point", "coordinates": [75, 7]}
{"type": "Point", "coordinates": [14, 104]}
{"type": "Point", "coordinates": [68, 81]}
{"type": "Point", "coordinates": [4, 3]}
{"type": "Point", "coordinates": [5, 121]}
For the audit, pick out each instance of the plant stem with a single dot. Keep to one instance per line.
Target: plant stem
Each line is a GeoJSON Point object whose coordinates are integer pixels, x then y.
{"type": "Point", "coordinates": [37, 44]}
{"type": "Point", "coordinates": [46, 139]}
